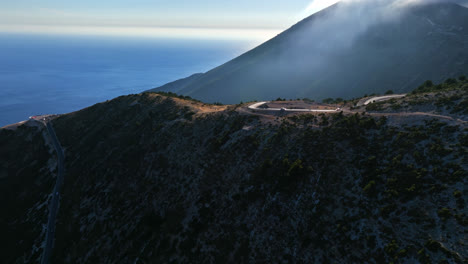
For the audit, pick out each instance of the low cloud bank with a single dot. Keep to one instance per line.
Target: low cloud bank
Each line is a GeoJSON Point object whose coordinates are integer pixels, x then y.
{"type": "Point", "coordinates": [340, 25]}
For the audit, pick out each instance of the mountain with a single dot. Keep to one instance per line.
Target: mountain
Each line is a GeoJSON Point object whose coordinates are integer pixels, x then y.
{"type": "Point", "coordinates": [178, 85]}
{"type": "Point", "coordinates": [346, 50]}
{"type": "Point", "coordinates": [154, 178]}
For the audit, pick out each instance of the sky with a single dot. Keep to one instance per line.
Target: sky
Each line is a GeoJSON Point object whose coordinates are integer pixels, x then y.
{"type": "Point", "coordinates": [172, 18]}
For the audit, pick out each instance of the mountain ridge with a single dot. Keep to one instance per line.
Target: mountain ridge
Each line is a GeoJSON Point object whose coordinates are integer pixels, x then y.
{"type": "Point", "coordinates": [396, 55]}
{"type": "Point", "coordinates": [153, 178]}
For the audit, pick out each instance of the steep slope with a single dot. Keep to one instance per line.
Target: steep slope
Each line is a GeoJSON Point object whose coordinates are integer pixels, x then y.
{"type": "Point", "coordinates": [156, 179]}
{"type": "Point", "coordinates": [26, 180]}
{"type": "Point", "coordinates": [344, 51]}
{"type": "Point", "coordinates": [178, 85]}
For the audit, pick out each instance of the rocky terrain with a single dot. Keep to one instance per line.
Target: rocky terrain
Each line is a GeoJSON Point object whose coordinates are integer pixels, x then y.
{"type": "Point", "coordinates": [158, 178]}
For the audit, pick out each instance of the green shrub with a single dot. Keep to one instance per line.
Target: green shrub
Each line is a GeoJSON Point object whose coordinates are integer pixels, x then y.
{"type": "Point", "coordinates": [428, 83]}
{"type": "Point", "coordinates": [444, 213]}
{"type": "Point", "coordinates": [391, 247]}
{"type": "Point", "coordinates": [402, 253]}
{"type": "Point", "coordinates": [374, 106]}
{"type": "Point", "coordinates": [459, 175]}
{"type": "Point", "coordinates": [396, 106]}
{"type": "Point", "coordinates": [451, 81]}
{"type": "Point", "coordinates": [428, 86]}
{"type": "Point", "coordinates": [296, 171]}
{"type": "Point", "coordinates": [171, 94]}
{"type": "Point", "coordinates": [462, 219]}
{"type": "Point", "coordinates": [370, 188]}
{"type": "Point", "coordinates": [432, 245]}
{"type": "Point", "coordinates": [457, 194]}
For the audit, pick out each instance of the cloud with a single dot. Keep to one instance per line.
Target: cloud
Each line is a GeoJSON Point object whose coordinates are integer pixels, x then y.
{"type": "Point", "coordinates": [318, 5]}
{"type": "Point", "coordinates": [350, 18]}
{"type": "Point", "coordinates": [311, 44]}
{"type": "Point", "coordinates": [461, 2]}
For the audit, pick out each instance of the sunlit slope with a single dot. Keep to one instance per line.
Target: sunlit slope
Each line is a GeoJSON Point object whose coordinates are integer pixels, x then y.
{"type": "Point", "coordinates": [344, 53]}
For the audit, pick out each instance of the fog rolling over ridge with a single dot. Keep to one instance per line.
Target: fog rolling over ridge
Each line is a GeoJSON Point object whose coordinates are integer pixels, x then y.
{"type": "Point", "coordinates": [349, 49]}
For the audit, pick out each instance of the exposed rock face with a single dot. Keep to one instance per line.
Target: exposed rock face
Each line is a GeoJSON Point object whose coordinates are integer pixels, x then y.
{"type": "Point", "coordinates": [154, 179]}
{"type": "Point", "coordinates": [344, 51]}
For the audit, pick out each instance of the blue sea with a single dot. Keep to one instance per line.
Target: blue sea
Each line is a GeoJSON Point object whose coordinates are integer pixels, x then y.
{"type": "Point", "coordinates": [60, 74]}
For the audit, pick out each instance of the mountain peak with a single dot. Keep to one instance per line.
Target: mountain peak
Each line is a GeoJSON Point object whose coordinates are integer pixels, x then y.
{"type": "Point", "coordinates": [345, 50]}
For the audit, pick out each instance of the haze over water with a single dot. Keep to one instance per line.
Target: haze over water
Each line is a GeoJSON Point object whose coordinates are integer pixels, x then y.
{"type": "Point", "coordinates": [59, 74]}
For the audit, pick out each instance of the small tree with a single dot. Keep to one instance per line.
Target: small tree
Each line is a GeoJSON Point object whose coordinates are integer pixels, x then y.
{"type": "Point", "coordinates": [450, 81]}
{"type": "Point", "coordinates": [428, 83]}
{"type": "Point", "coordinates": [389, 92]}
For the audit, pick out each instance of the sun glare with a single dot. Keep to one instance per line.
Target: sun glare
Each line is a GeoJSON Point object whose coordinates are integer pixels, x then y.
{"type": "Point", "coordinates": [317, 5]}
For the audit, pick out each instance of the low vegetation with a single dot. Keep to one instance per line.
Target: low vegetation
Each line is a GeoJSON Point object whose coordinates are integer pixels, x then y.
{"type": "Point", "coordinates": [171, 94]}
{"type": "Point", "coordinates": [449, 97]}
{"type": "Point", "coordinates": [149, 178]}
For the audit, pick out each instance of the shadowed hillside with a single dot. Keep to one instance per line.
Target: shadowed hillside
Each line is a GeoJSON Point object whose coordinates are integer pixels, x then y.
{"type": "Point", "coordinates": [157, 178]}
{"type": "Point", "coordinates": [344, 51]}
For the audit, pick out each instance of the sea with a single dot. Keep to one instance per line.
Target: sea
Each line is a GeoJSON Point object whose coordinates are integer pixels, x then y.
{"type": "Point", "coordinates": [55, 74]}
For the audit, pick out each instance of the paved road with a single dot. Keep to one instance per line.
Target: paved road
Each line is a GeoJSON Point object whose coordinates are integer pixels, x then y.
{"type": "Point", "coordinates": [54, 205]}
{"type": "Point", "coordinates": [256, 105]}
{"type": "Point", "coordinates": [380, 99]}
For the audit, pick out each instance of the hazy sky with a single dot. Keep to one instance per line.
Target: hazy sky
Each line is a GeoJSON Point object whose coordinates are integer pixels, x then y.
{"type": "Point", "coordinates": [250, 18]}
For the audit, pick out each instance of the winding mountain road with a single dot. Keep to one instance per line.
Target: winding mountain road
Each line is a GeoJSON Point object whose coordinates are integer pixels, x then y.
{"type": "Point", "coordinates": [257, 105]}
{"type": "Point", "coordinates": [367, 101]}
{"type": "Point", "coordinates": [54, 205]}
{"type": "Point", "coordinates": [380, 99]}
{"type": "Point", "coordinates": [360, 103]}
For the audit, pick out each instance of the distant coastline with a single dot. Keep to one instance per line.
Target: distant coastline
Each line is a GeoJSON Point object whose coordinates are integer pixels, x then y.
{"type": "Point", "coordinates": [59, 74]}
